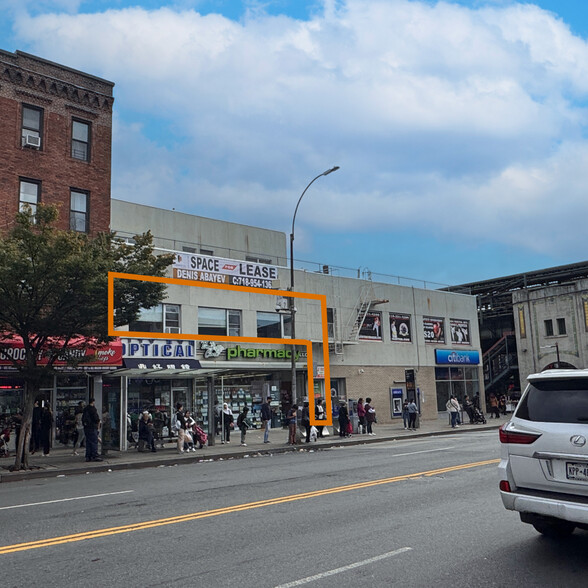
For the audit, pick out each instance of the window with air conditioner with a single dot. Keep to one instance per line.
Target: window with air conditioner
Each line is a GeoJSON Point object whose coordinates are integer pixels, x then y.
{"type": "Point", "coordinates": [29, 195]}
{"type": "Point", "coordinates": [32, 126]}
{"type": "Point", "coordinates": [80, 140]}
{"type": "Point", "coordinates": [162, 318]}
{"type": "Point", "coordinates": [219, 321]}
{"type": "Point", "coordinates": [78, 212]}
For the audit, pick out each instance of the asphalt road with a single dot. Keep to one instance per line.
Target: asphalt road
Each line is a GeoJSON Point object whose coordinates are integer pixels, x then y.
{"type": "Point", "coordinates": [420, 512]}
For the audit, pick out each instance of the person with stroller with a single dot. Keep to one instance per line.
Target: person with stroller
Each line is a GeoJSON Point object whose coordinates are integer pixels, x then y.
{"type": "Point", "coordinates": [227, 420]}
{"type": "Point", "coordinates": [468, 406]}
{"type": "Point", "coordinates": [146, 431]}
{"type": "Point", "coordinates": [188, 434]}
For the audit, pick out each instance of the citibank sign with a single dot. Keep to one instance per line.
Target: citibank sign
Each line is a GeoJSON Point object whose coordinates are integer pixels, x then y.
{"type": "Point", "coordinates": [452, 357]}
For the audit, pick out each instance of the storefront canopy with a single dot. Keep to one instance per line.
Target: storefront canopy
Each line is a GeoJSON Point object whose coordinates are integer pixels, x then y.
{"type": "Point", "coordinates": [143, 366]}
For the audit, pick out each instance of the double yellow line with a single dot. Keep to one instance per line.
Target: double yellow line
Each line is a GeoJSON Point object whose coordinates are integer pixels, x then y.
{"type": "Point", "coordinates": [229, 509]}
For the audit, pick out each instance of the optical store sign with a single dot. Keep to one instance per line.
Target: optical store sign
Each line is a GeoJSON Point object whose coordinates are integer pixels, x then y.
{"type": "Point", "coordinates": [205, 268]}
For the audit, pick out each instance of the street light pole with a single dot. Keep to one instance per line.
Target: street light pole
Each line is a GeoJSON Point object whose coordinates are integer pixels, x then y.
{"type": "Point", "coordinates": [292, 301]}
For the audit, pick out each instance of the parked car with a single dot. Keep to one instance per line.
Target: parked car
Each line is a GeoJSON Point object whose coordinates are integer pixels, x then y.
{"type": "Point", "coordinates": [544, 453]}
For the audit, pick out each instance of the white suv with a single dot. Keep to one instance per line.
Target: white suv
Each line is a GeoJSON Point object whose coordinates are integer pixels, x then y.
{"type": "Point", "coordinates": [544, 453]}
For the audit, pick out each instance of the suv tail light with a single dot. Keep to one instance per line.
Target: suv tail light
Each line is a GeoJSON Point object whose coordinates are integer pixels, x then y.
{"type": "Point", "coordinates": [504, 485]}
{"type": "Point", "coordinates": [519, 437]}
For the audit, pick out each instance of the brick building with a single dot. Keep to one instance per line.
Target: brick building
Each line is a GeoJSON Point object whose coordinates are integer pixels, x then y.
{"type": "Point", "coordinates": [55, 141]}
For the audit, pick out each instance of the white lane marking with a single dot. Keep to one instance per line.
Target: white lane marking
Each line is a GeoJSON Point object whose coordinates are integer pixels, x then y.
{"type": "Point", "coordinates": [424, 451]}
{"type": "Point", "coordinates": [65, 499]}
{"type": "Point", "coordinates": [352, 566]}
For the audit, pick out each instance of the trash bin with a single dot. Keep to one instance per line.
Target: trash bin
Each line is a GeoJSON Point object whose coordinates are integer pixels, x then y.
{"type": "Point", "coordinates": [354, 423]}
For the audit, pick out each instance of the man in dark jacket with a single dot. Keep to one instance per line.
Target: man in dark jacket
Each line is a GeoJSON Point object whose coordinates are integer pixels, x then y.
{"type": "Point", "coordinates": [91, 422]}
{"type": "Point", "coordinates": [266, 419]}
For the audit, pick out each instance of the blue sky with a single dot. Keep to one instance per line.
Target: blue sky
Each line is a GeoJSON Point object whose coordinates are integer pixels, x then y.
{"type": "Point", "coordinates": [460, 127]}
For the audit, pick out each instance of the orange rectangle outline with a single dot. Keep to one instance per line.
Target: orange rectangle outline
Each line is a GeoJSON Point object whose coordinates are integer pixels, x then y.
{"type": "Point", "coordinates": [322, 298]}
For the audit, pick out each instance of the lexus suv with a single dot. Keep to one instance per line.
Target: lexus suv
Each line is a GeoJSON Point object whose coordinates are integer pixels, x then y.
{"type": "Point", "coordinates": [544, 453]}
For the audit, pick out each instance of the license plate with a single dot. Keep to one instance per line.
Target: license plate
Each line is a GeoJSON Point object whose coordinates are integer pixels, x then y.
{"type": "Point", "coordinates": [577, 471]}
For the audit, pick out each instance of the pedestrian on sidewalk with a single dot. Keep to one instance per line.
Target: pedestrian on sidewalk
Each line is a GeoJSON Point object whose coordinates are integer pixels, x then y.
{"type": "Point", "coordinates": [244, 423]}
{"type": "Point", "coordinates": [405, 415]}
{"type": "Point", "coordinates": [370, 416]}
{"type": "Point", "coordinates": [227, 418]}
{"type": "Point", "coordinates": [320, 415]}
{"type": "Point", "coordinates": [468, 406]}
{"type": "Point", "coordinates": [146, 431]}
{"type": "Point", "coordinates": [361, 417]}
{"type": "Point", "coordinates": [91, 422]}
{"type": "Point", "coordinates": [45, 429]}
{"type": "Point", "coordinates": [494, 406]}
{"type": "Point", "coordinates": [291, 419]}
{"type": "Point", "coordinates": [452, 407]}
{"type": "Point", "coordinates": [305, 421]}
{"type": "Point", "coordinates": [266, 418]}
{"type": "Point", "coordinates": [80, 435]}
{"type": "Point", "coordinates": [412, 414]}
{"type": "Point", "coordinates": [343, 419]}
{"type": "Point", "coordinates": [180, 426]}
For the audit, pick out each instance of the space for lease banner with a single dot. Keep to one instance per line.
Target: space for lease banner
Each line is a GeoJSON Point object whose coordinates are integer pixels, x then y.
{"type": "Point", "coordinates": [205, 268]}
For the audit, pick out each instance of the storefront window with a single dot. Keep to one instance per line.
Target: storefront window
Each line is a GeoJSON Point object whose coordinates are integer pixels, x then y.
{"type": "Point", "coordinates": [159, 397]}
{"type": "Point", "coordinates": [458, 381]}
{"type": "Point", "coordinates": [71, 389]}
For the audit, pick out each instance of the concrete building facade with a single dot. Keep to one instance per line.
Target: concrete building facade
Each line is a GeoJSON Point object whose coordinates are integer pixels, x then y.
{"type": "Point", "coordinates": [387, 342]}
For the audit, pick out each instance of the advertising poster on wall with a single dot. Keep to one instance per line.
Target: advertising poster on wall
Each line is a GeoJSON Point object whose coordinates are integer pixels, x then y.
{"type": "Point", "coordinates": [400, 327]}
{"type": "Point", "coordinates": [460, 331]}
{"type": "Point", "coordinates": [433, 329]}
{"type": "Point", "coordinates": [372, 327]}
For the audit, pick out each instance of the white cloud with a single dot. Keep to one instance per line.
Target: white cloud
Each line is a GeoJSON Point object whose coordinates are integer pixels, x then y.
{"type": "Point", "coordinates": [466, 122]}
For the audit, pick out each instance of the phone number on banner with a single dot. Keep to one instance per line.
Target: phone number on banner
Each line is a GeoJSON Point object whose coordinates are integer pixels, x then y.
{"type": "Point", "coordinates": [251, 282]}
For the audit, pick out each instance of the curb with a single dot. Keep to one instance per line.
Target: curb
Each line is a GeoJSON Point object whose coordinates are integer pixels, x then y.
{"type": "Point", "coordinates": [48, 472]}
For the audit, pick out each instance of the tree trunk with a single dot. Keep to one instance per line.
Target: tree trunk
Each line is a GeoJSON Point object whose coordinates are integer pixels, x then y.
{"type": "Point", "coordinates": [22, 451]}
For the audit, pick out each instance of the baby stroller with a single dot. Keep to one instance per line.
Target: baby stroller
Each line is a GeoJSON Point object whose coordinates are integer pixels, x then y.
{"type": "Point", "coordinates": [200, 436]}
{"type": "Point", "coordinates": [4, 439]}
{"type": "Point", "coordinates": [478, 415]}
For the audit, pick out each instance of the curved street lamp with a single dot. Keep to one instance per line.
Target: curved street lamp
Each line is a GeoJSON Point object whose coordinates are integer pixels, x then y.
{"type": "Point", "coordinates": [292, 305]}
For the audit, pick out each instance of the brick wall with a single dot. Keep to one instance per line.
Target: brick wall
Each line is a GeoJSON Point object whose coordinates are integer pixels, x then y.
{"type": "Point", "coordinates": [376, 381]}
{"type": "Point", "coordinates": [63, 94]}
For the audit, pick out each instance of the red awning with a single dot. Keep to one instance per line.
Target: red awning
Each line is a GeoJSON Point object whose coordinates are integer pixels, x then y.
{"type": "Point", "coordinates": [84, 351]}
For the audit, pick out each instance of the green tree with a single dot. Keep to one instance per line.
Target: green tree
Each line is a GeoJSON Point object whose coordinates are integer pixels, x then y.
{"type": "Point", "coordinates": [53, 296]}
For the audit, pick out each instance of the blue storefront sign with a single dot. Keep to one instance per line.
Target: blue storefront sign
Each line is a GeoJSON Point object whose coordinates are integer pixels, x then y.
{"type": "Point", "coordinates": [452, 357]}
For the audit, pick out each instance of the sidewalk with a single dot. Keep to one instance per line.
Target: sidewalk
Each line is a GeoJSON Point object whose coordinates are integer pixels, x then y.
{"type": "Point", "coordinates": [61, 462]}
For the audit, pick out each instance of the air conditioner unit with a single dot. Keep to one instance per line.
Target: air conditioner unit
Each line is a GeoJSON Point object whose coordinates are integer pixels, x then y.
{"type": "Point", "coordinates": [31, 141]}
{"type": "Point", "coordinates": [172, 329]}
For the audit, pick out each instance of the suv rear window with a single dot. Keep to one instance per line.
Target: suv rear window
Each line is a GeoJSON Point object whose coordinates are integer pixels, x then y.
{"type": "Point", "coordinates": [555, 401]}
